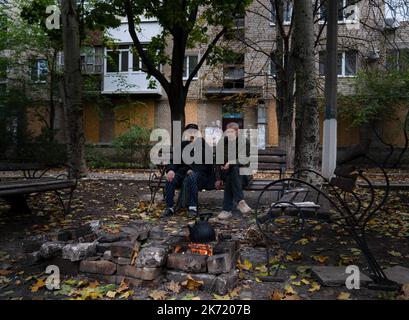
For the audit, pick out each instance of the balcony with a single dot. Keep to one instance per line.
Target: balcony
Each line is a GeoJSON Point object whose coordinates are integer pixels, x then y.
{"type": "Point", "coordinates": [129, 82]}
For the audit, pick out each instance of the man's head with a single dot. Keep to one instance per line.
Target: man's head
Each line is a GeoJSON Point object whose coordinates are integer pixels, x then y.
{"type": "Point", "coordinates": [232, 130]}
{"type": "Point", "coordinates": [191, 131]}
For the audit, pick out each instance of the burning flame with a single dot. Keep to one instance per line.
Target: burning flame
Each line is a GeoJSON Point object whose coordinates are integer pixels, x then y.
{"type": "Point", "coordinates": [201, 248]}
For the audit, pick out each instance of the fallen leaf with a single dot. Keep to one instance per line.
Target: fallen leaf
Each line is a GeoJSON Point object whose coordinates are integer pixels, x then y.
{"type": "Point", "coordinates": [320, 259]}
{"type": "Point", "coordinates": [218, 297]}
{"type": "Point", "coordinates": [111, 294]}
{"type": "Point", "coordinates": [174, 286]}
{"type": "Point", "coordinates": [192, 284]}
{"type": "Point", "coordinates": [276, 295]}
{"type": "Point", "coordinates": [344, 296]}
{"type": "Point", "coordinates": [289, 290]}
{"type": "Point", "coordinates": [158, 295]}
{"type": "Point", "coordinates": [395, 253]}
{"type": "Point", "coordinates": [38, 285]}
{"type": "Point", "coordinates": [122, 287]}
{"type": "Point", "coordinates": [314, 287]}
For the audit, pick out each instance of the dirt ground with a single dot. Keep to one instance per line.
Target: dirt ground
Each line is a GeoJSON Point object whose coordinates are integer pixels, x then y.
{"type": "Point", "coordinates": [118, 202]}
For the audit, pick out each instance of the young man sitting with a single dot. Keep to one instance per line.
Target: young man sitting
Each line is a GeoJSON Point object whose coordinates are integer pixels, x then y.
{"type": "Point", "coordinates": [198, 174]}
{"type": "Point", "coordinates": [229, 173]}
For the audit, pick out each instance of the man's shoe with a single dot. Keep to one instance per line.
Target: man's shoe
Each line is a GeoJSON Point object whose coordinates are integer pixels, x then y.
{"type": "Point", "coordinates": [224, 215]}
{"type": "Point", "coordinates": [168, 212]}
{"type": "Point", "coordinates": [243, 207]}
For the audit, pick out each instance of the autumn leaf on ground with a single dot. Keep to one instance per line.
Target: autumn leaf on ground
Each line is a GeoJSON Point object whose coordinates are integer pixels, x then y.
{"type": "Point", "coordinates": [122, 287]}
{"type": "Point", "coordinates": [173, 286]}
{"type": "Point", "coordinates": [405, 292]}
{"type": "Point", "coordinates": [344, 296]}
{"type": "Point", "coordinates": [289, 290]}
{"type": "Point", "coordinates": [276, 295]}
{"type": "Point", "coordinates": [158, 295]}
{"type": "Point", "coordinates": [218, 297]}
{"type": "Point", "coordinates": [395, 253]}
{"type": "Point", "coordinates": [126, 294]}
{"type": "Point", "coordinates": [314, 287]}
{"type": "Point", "coordinates": [294, 256]}
{"type": "Point", "coordinates": [5, 272]}
{"type": "Point", "coordinates": [192, 284]}
{"type": "Point", "coordinates": [302, 241]}
{"type": "Point", "coordinates": [93, 284]}
{"type": "Point", "coordinates": [190, 296]}
{"type": "Point", "coordinates": [320, 259]}
{"type": "Point", "coordinates": [246, 265]}
{"type": "Point", "coordinates": [111, 294]}
{"type": "Point", "coordinates": [38, 285]}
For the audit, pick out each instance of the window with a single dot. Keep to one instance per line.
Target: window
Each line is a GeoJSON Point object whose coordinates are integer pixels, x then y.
{"type": "Point", "coordinates": [288, 12]}
{"type": "Point", "coordinates": [346, 63]}
{"type": "Point", "coordinates": [118, 60]}
{"type": "Point", "coordinates": [275, 58]}
{"type": "Point", "coordinates": [397, 59]}
{"type": "Point", "coordinates": [233, 72]}
{"type": "Point", "coordinates": [39, 70]}
{"type": "Point", "coordinates": [347, 10]}
{"type": "Point", "coordinates": [137, 64]}
{"type": "Point", "coordinates": [190, 64]}
{"type": "Point", "coordinates": [398, 10]}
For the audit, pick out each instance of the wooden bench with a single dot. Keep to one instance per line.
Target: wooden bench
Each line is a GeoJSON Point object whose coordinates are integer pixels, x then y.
{"type": "Point", "coordinates": [270, 159]}
{"type": "Point", "coordinates": [318, 200]}
{"type": "Point", "coordinates": [15, 191]}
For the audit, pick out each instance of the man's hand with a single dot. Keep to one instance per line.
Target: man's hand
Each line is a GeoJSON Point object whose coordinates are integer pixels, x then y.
{"type": "Point", "coordinates": [189, 172]}
{"type": "Point", "coordinates": [170, 175]}
{"type": "Point", "coordinates": [226, 166]}
{"type": "Point", "coordinates": [218, 184]}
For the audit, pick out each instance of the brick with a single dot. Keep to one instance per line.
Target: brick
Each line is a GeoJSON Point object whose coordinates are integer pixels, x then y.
{"type": "Point", "coordinates": [398, 274]}
{"type": "Point", "coordinates": [33, 258]}
{"type": "Point", "coordinates": [151, 257]}
{"type": "Point", "coordinates": [80, 231]}
{"type": "Point", "coordinates": [105, 237]}
{"type": "Point", "coordinates": [79, 251]}
{"type": "Point", "coordinates": [139, 273]}
{"type": "Point", "coordinates": [133, 282]}
{"type": "Point", "coordinates": [88, 238]}
{"type": "Point", "coordinates": [66, 267]}
{"type": "Point", "coordinates": [335, 276]}
{"type": "Point", "coordinates": [209, 280]}
{"type": "Point", "coordinates": [114, 279]}
{"type": "Point", "coordinates": [102, 247]}
{"type": "Point", "coordinates": [187, 262]}
{"type": "Point", "coordinates": [122, 249]}
{"type": "Point", "coordinates": [34, 243]}
{"type": "Point", "coordinates": [226, 282]}
{"type": "Point", "coordinates": [123, 261]}
{"type": "Point", "coordinates": [51, 249]}
{"type": "Point", "coordinates": [107, 255]}
{"type": "Point", "coordinates": [220, 263]}
{"type": "Point", "coordinates": [62, 235]}
{"type": "Point", "coordinates": [100, 267]}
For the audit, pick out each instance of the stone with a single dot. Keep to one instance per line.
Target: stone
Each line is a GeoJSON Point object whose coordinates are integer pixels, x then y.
{"type": "Point", "coordinates": [102, 247]}
{"type": "Point", "coordinates": [33, 258]}
{"type": "Point", "coordinates": [151, 257]}
{"type": "Point", "coordinates": [229, 247]}
{"type": "Point", "coordinates": [66, 267]}
{"type": "Point", "coordinates": [139, 273]}
{"type": "Point", "coordinates": [188, 262]}
{"type": "Point", "coordinates": [79, 251]}
{"type": "Point", "coordinates": [107, 255]}
{"type": "Point", "coordinates": [122, 249]}
{"type": "Point", "coordinates": [137, 231]}
{"type": "Point", "coordinates": [105, 237]}
{"type": "Point", "coordinates": [101, 267]}
{"type": "Point", "coordinates": [209, 280]}
{"type": "Point", "coordinates": [335, 276]}
{"type": "Point", "coordinates": [82, 231]}
{"type": "Point", "coordinates": [133, 282]}
{"type": "Point", "coordinates": [123, 261]}
{"type": "Point", "coordinates": [34, 243]}
{"type": "Point", "coordinates": [157, 233]}
{"type": "Point", "coordinates": [51, 249]}
{"type": "Point", "coordinates": [226, 282]}
{"type": "Point", "coordinates": [112, 279]}
{"type": "Point", "coordinates": [88, 238]}
{"type": "Point", "coordinates": [62, 235]}
{"type": "Point", "coordinates": [398, 274]}
{"type": "Point", "coordinates": [220, 263]}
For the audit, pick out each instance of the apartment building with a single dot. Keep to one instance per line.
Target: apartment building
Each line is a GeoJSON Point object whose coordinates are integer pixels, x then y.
{"type": "Point", "coordinates": [242, 89]}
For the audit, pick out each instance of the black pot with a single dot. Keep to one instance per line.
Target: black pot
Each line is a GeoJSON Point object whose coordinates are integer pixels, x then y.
{"type": "Point", "coordinates": [202, 231]}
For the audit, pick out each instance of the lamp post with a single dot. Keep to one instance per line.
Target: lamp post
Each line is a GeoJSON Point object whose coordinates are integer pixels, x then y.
{"type": "Point", "coordinates": [329, 146]}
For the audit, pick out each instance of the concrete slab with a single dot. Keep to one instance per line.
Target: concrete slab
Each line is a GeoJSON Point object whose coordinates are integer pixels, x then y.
{"type": "Point", "coordinates": [398, 274]}
{"type": "Point", "coordinates": [335, 276]}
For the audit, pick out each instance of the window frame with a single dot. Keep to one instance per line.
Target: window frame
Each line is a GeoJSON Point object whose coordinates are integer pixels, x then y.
{"type": "Point", "coordinates": [343, 64]}
{"type": "Point", "coordinates": [35, 66]}
{"type": "Point", "coordinates": [187, 60]}
{"type": "Point", "coordinates": [285, 22]}
{"type": "Point", "coordinates": [344, 20]}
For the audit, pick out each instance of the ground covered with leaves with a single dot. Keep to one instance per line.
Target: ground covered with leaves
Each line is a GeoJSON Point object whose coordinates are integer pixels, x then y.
{"type": "Point", "coordinates": [116, 203]}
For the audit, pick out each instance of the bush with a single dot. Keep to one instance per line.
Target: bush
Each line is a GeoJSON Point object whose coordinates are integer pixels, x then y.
{"type": "Point", "coordinates": [135, 139]}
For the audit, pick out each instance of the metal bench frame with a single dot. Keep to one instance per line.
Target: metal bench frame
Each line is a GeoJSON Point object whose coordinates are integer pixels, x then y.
{"type": "Point", "coordinates": [336, 201]}
{"type": "Point", "coordinates": [33, 181]}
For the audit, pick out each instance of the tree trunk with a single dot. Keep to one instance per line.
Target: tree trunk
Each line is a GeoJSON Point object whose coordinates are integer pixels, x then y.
{"type": "Point", "coordinates": [284, 88]}
{"type": "Point", "coordinates": [72, 88]}
{"type": "Point", "coordinates": [307, 113]}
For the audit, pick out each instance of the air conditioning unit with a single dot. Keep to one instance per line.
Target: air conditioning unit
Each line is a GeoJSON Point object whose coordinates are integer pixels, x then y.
{"type": "Point", "coordinates": [391, 24]}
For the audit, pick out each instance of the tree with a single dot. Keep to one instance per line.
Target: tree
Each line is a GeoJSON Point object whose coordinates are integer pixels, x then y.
{"type": "Point", "coordinates": [185, 24]}
{"type": "Point", "coordinates": [307, 112]}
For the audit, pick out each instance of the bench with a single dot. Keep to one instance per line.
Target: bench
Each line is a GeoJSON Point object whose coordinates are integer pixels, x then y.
{"type": "Point", "coordinates": [307, 198]}
{"type": "Point", "coordinates": [270, 159]}
{"type": "Point", "coordinates": [15, 191]}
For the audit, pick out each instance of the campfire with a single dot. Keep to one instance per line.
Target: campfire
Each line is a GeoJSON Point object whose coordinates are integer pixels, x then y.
{"type": "Point", "coordinates": [200, 248]}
